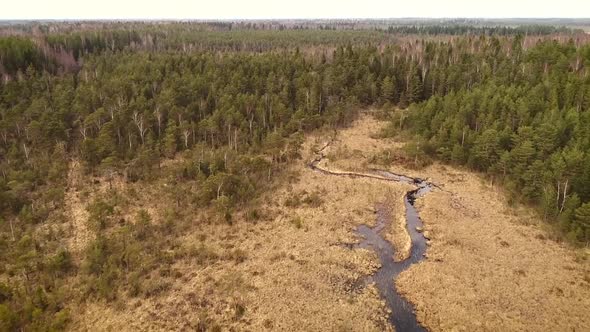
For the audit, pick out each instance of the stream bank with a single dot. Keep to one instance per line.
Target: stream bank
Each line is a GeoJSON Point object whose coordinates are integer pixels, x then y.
{"type": "Point", "coordinates": [401, 314]}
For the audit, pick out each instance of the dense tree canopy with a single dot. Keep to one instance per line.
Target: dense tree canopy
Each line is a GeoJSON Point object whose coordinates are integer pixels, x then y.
{"type": "Point", "coordinates": [234, 100]}
{"type": "Point", "coordinates": [526, 125]}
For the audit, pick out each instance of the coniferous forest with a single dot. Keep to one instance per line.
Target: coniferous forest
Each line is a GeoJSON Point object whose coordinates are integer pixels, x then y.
{"type": "Point", "coordinates": [227, 104]}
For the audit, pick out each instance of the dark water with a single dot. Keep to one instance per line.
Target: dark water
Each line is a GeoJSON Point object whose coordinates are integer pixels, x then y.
{"type": "Point", "coordinates": [402, 315]}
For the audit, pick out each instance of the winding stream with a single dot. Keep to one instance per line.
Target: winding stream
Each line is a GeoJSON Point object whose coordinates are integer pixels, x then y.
{"type": "Point", "coordinates": [401, 315]}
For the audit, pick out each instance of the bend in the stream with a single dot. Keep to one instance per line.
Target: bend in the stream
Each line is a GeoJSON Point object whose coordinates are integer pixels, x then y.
{"type": "Point", "coordinates": [402, 315]}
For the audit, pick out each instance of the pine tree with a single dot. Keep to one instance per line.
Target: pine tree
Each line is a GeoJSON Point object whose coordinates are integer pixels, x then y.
{"type": "Point", "coordinates": [414, 88]}
{"type": "Point", "coordinates": [171, 139]}
{"type": "Point", "coordinates": [387, 90]}
{"type": "Point", "coordinates": [581, 225]}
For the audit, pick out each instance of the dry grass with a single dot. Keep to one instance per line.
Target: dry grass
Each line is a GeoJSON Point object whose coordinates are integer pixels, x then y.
{"type": "Point", "coordinates": [490, 266]}
{"type": "Point", "coordinates": [288, 270]}
{"type": "Point", "coordinates": [486, 270]}
{"type": "Point", "coordinates": [397, 233]}
{"type": "Point", "coordinates": [290, 278]}
{"type": "Point", "coordinates": [75, 209]}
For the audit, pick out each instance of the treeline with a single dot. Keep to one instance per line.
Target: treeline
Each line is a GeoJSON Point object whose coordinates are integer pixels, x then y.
{"type": "Point", "coordinates": [194, 38]}
{"type": "Point", "coordinates": [59, 47]}
{"type": "Point", "coordinates": [526, 126]}
{"type": "Point", "coordinates": [122, 105]}
{"type": "Point", "coordinates": [479, 30]}
{"type": "Point", "coordinates": [63, 52]}
{"type": "Point", "coordinates": [16, 54]}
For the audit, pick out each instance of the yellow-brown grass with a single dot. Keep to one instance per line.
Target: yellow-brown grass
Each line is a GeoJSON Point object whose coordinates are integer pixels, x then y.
{"type": "Point", "coordinates": [296, 272]}
{"type": "Point", "coordinates": [490, 266]}
{"type": "Point", "coordinates": [486, 270]}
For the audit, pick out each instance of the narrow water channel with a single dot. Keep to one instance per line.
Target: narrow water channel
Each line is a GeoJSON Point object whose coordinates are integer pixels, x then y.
{"type": "Point", "coordinates": [402, 315]}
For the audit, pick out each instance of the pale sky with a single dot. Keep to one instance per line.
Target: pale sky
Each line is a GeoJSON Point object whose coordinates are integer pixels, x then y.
{"type": "Point", "coordinates": [257, 9]}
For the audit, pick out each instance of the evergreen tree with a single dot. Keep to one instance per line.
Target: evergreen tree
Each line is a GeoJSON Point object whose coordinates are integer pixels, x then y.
{"type": "Point", "coordinates": [170, 139]}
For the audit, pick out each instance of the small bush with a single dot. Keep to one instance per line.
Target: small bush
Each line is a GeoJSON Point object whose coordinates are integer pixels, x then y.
{"type": "Point", "coordinates": [135, 284]}
{"type": "Point", "coordinates": [418, 154]}
{"type": "Point", "coordinates": [313, 199]}
{"type": "Point", "coordinates": [253, 215]}
{"type": "Point", "coordinates": [203, 254]}
{"type": "Point", "coordinates": [297, 222]}
{"type": "Point", "coordinates": [155, 287]}
{"type": "Point", "coordinates": [384, 157]}
{"type": "Point", "coordinates": [294, 200]}
{"type": "Point", "coordinates": [206, 324]}
{"type": "Point", "coordinates": [60, 320]}
{"type": "Point", "coordinates": [239, 310]}
{"type": "Point", "coordinates": [8, 318]}
{"type": "Point", "coordinates": [238, 255]}
{"type": "Point", "coordinates": [100, 212]}
{"type": "Point", "coordinates": [61, 263]}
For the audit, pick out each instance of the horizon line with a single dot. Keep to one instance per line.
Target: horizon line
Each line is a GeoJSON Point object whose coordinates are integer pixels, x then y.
{"type": "Point", "coordinates": [296, 18]}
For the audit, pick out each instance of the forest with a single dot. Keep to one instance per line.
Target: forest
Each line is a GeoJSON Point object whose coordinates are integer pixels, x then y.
{"type": "Point", "coordinates": [526, 127]}
{"type": "Point", "coordinates": [230, 103]}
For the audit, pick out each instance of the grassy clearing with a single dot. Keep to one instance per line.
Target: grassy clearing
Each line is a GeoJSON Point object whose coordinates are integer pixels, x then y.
{"type": "Point", "coordinates": [280, 264]}
{"type": "Point", "coordinates": [491, 266]}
